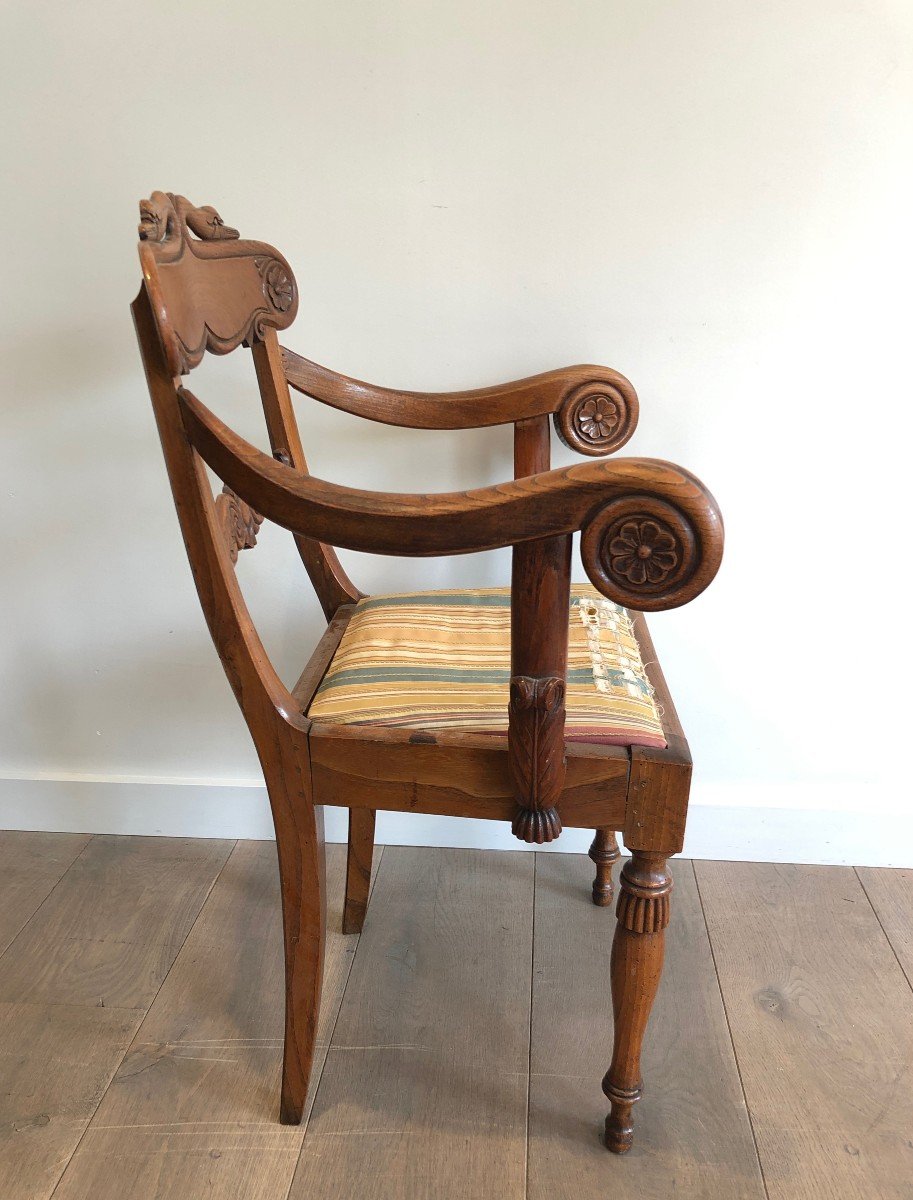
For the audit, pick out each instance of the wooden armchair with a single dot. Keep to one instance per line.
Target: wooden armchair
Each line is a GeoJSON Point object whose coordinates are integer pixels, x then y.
{"type": "Point", "coordinates": [542, 755]}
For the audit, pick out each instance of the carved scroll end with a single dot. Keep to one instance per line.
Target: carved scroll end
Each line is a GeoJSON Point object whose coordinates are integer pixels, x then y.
{"type": "Point", "coordinates": [646, 554]}
{"type": "Point", "coordinates": [240, 523]}
{"type": "Point", "coordinates": [643, 899]}
{"type": "Point", "coordinates": [599, 416]}
{"type": "Point", "coordinates": [535, 746]}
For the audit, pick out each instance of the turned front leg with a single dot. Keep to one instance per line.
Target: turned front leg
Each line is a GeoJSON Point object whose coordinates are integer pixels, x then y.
{"type": "Point", "coordinates": [605, 854]}
{"type": "Point", "coordinates": [637, 964]}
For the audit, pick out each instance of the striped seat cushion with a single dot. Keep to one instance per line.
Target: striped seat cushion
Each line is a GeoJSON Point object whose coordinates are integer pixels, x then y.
{"type": "Point", "coordinates": [441, 660]}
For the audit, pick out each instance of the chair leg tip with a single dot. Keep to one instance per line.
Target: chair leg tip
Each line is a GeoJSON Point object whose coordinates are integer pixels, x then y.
{"type": "Point", "coordinates": [619, 1135]}
{"type": "Point", "coordinates": [602, 896]}
{"type": "Point", "coordinates": [292, 1098]}
{"type": "Point", "coordinates": [290, 1113]}
{"type": "Point", "coordinates": [353, 918]}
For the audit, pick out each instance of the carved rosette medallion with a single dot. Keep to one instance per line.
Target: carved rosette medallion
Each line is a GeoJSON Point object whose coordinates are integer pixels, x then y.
{"type": "Point", "coordinates": [278, 285]}
{"type": "Point", "coordinates": [643, 898]}
{"type": "Point", "coordinates": [642, 552]}
{"type": "Point", "coordinates": [240, 523]}
{"type": "Point", "coordinates": [535, 747]}
{"type": "Point", "coordinates": [598, 417]}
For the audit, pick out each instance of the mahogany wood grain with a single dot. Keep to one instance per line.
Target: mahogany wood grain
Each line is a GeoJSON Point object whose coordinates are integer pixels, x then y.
{"type": "Point", "coordinates": [651, 539]}
{"type": "Point", "coordinates": [605, 854]}
{"type": "Point", "coordinates": [598, 497]}
{"type": "Point", "coordinates": [210, 291]}
{"type": "Point", "coordinates": [637, 965]}
{"type": "Point", "coordinates": [317, 665]}
{"type": "Point", "coordinates": [693, 1133]}
{"type": "Point", "coordinates": [539, 604]}
{"type": "Point", "coordinates": [660, 779]}
{"type": "Point", "coordinates": [331, 583]}
{"type": "Point", "coordinates": [424, 1088]}
{"type": "Point", "coordinates": [532, 447]}
{"type": "Point", "coordinates": [465, 775]}
{"type": "Point", "coordinates": [278, 729]}
{"type": "Point", "coordinates": [359, 857]}
{"type": "Point", "coordinates": [191, 1111]}
{"type": "Point", "coordinates": [285, 762]}
{"type": "Point", "coordinates": [822, 1021]}
{"type": "Point", "coordinates": [75, 984]}
{"type": "Point", "coordinates": [31, 864]}
{"type": "Point", "coordinates": [537, 396]}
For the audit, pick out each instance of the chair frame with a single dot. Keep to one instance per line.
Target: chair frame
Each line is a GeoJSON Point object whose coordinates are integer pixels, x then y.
{"type": "Point", "coordinates": [205, 289]}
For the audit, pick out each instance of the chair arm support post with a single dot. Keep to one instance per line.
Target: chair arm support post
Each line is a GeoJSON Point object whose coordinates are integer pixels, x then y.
{"type": "Point", "coordinates": [539, 603]}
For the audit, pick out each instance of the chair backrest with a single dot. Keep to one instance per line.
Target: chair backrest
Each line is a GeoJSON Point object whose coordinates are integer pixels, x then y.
{"type": "Point", "coordinates": [209, 290]}
{"type": "Point", "coordinates": [204, 288]}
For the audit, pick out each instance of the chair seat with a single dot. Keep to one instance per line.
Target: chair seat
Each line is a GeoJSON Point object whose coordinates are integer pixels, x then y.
{"type": "Point", "coordinates": [441, 660]}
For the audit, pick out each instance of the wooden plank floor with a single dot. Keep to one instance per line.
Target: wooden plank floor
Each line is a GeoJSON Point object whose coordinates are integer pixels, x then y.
{"type": "Point", "coordinates": [462, 1037]}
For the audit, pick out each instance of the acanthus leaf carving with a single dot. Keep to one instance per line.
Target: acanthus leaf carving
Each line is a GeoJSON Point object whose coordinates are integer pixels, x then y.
{"type": "Point", "coordinates": [240, 523]}
{"type": "Point", "coordinates": [536, 754]}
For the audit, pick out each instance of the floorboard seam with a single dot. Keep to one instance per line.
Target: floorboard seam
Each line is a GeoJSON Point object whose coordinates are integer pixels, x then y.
{"type": "Point", "coordinates": [33, 915]}
{"type": "Point", "coordinates": [142, 1016]}
{"type": "Point", "coordinates": [529, 1051]}
{"type": "Point", "coordinates": [883, 930]}
{"type": "Point", "coordinates": [332, 1033]}
{"type": "Point", "coordinates": [735, 1053]}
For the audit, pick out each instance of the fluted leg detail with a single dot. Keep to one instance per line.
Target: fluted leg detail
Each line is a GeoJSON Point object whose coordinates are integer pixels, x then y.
{"type": "Point", "coordinates": [605, 854]}
{"type": "Point", "coordinates": [637, 964]}
{"type": "Point", "coordinates": [535, 754]}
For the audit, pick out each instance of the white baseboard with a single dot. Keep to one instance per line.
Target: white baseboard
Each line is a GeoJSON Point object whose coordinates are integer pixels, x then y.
{"type": "Point", "coordinates": [750, 823]}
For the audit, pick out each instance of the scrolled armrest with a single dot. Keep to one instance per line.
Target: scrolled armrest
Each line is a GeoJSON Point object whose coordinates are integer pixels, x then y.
{"type": "Point", "coordinates": [652, 535]}
{"type": "Point", "coordinates": [595, 408]}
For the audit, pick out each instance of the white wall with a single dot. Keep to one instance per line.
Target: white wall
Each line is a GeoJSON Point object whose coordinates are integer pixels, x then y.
{"type": "Point", "coordinates": [712, 197]}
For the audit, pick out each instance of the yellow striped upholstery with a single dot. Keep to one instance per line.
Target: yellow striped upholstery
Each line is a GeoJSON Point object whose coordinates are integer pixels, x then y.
{"type": "Point", "coordinates": [441, 660]}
